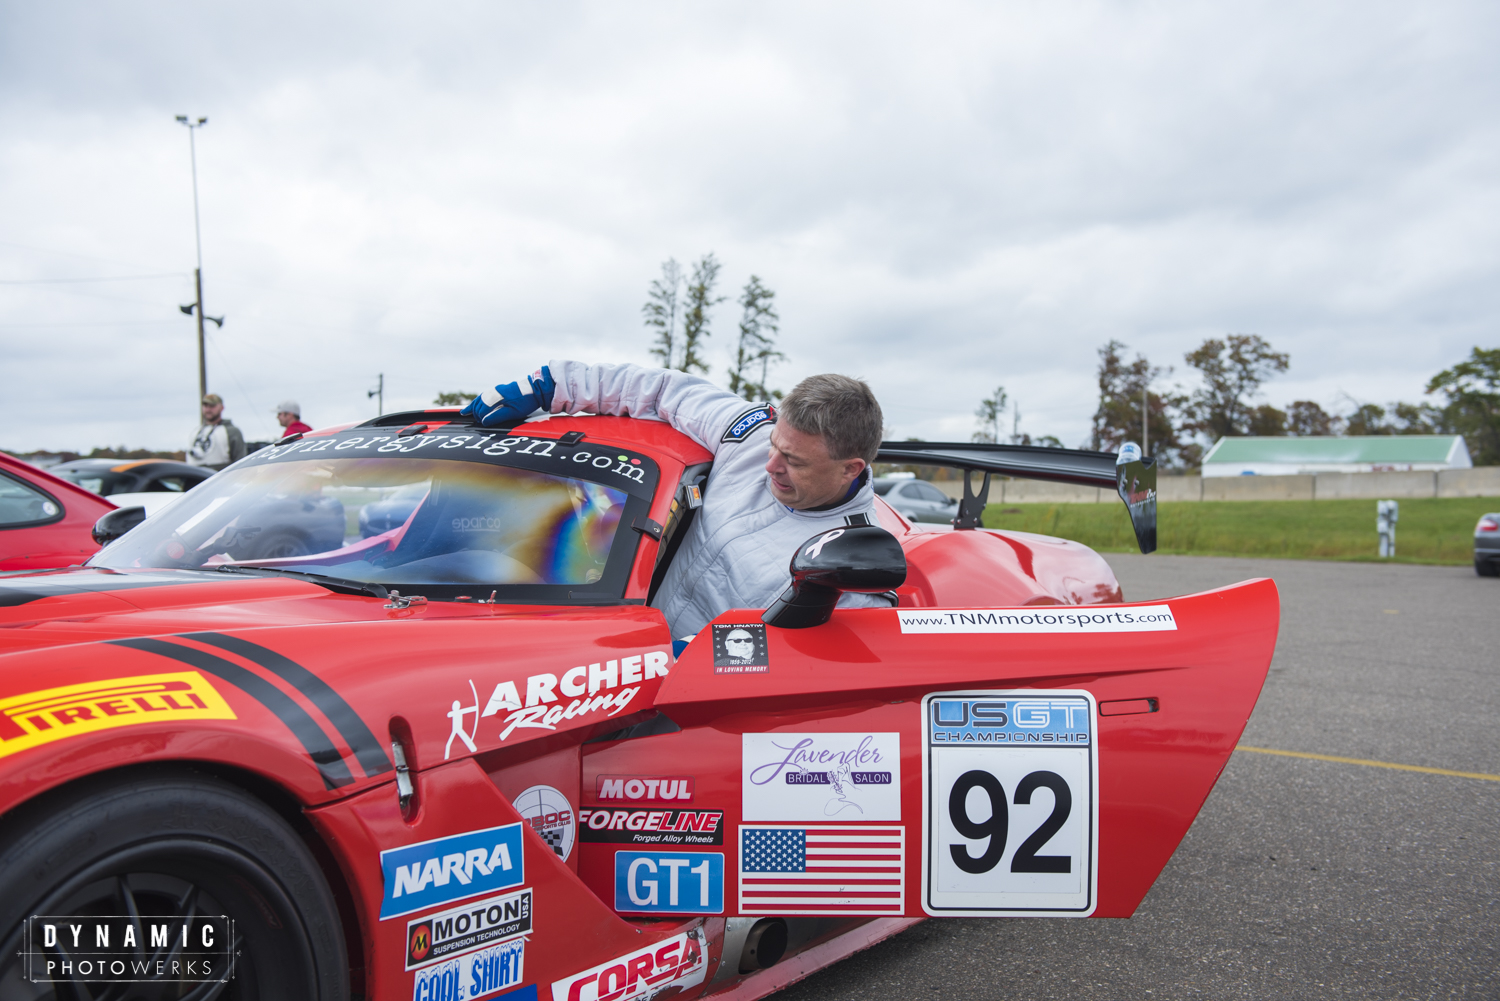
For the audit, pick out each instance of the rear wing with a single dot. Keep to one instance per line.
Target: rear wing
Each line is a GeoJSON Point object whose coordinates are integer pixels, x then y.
{"type": "Point", "coordinates": [1127, 472]}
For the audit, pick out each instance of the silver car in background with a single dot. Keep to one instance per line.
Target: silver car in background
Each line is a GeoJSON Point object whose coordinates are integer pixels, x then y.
{"type": "Point", "coordinates": [916, 500]}
{"type": "Point", "coordinates": [1487, 546]}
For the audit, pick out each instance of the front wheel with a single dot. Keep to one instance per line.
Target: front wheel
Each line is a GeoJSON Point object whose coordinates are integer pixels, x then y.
{"type": "Point", "coordinates": [166, 846]}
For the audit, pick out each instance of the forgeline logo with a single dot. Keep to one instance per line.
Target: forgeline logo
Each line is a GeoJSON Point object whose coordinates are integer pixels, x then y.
{"type": "Point", "coordinates": [50, 714]}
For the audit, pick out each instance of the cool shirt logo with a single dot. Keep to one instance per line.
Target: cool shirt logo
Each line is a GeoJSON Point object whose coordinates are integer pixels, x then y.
{"type": "Point", "coordinates": [473, 976]}
{"type": "Point", "coordinates": [606, 685]}
{"type": "Point", "coordinates": [649, 790]}
{"type": "Point", "coordinates": [447, 869]}
{"type": "Point", "coordinates": [41, 717]}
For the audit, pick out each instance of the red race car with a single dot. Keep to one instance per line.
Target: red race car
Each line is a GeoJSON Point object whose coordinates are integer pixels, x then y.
{"type": "Point", "coordinates": [44, 519]}
{"type": "Point", "coordinates": [447, 752]}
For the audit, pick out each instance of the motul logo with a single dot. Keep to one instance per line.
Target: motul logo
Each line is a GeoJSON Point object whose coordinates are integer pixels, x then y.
{"type": "Point", "coordinates": [630, 788]}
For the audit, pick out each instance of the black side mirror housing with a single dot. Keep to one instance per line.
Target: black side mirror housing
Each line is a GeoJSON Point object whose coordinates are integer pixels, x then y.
{"type": "Point", "coordinates": [861, 558]}
{"type": "Point", "coordinates": [115, 524]}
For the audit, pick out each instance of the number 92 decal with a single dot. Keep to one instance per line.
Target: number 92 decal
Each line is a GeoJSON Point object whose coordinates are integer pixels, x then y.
{"type": "Point", "coordinates": [1010, 783]}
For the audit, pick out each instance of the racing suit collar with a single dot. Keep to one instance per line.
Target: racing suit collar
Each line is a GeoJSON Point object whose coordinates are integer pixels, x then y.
{"type": "Point", "coordinates": [855, 487]}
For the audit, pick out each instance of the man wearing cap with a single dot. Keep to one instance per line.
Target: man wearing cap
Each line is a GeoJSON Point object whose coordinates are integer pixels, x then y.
{"type": "Point", "coordinates": [289, 416]}
{"type": "Point", "coordinates": [218, 442]}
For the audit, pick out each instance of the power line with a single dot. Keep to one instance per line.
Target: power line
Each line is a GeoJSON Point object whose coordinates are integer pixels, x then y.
{"type": "Point", "coordinates": [76, 281]}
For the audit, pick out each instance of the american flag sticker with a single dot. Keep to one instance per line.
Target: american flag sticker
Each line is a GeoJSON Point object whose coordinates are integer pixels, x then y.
{"type": "Point", "coordinates": [822, 869]}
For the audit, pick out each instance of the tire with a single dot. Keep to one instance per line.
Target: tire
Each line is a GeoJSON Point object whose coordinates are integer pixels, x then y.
{"type": "Point", "coordinates": [1487, 568]}
{"type": "Point", "coordinates": [281, 546]}
{"type": "Point", "coordinates": [164, 843]}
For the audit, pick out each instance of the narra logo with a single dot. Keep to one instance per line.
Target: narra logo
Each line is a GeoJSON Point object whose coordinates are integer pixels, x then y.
{"type": "Point", "coordinates": [54, 713]}
{"type": "Point", "coordinates": [446, 869]}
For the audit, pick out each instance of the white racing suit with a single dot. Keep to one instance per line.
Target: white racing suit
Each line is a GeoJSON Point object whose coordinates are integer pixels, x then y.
{"type": "Point", "coordinates": [738, 548]}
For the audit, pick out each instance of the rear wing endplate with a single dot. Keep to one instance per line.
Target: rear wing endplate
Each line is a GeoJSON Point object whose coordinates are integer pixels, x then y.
{"type": "Point", "coordinates": [1127, 472]}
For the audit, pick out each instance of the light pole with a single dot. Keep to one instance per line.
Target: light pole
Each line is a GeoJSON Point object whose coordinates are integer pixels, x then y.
{"type": "Point", "coordinates": [193, 127]}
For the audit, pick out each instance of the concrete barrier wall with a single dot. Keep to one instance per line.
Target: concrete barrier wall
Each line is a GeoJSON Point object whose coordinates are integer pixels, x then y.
{"type": "Point", "coordinates": [1483, 481]}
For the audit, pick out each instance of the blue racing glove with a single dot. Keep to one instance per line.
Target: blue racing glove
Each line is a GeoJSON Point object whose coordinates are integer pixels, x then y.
{"type": "Point", "coordinates": [508, 402]}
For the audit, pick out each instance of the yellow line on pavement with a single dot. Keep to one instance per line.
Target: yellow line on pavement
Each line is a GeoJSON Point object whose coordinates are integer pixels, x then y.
{"type": "Point", "coordinates": [1372, 764]}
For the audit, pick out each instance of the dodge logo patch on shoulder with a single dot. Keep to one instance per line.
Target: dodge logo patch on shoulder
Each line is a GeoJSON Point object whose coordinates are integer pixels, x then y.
{"type": "Point", "coordinates": [741, 426]}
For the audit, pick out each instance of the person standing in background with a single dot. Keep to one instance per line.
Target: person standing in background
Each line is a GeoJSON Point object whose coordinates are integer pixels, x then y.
{"type": "Point", "coordinates": [289, 416]}
{"type": "Point", "coordinates": [218, 442]}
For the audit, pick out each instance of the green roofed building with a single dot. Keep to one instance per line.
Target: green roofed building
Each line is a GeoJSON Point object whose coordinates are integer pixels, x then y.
{"type": "Point", "coordinates": [1355, 454]}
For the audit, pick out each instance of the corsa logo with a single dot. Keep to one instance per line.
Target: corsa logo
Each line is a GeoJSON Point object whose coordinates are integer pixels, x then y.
{"type": "Point", "coordinates": [678, 961]}
{"type": "Point", "coordinates": [41, 717]}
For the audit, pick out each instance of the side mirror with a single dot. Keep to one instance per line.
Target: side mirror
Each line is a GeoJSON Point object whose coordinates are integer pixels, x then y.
{"type": "Point", "coordinates": [115, 524]}
{"type": "Point", "coordinates": [861, 558]}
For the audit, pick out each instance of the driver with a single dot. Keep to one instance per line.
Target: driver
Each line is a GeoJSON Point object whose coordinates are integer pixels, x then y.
{"type": "Point", "coordinates": [780, 475]}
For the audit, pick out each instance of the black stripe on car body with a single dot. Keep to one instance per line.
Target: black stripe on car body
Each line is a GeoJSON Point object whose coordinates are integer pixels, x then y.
{"type": "Point", "coordinates": [367, 750]}
{"type": "Point", "coordinates": [327, 757]}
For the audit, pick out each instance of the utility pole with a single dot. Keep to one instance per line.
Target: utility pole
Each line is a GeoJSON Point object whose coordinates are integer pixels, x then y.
{"type": "Point", "coordinates": [379, 391]}
{"type": "Point", "coordinates": [1145, 419]}
{"type": "Point", "coordinates": [197, 306]}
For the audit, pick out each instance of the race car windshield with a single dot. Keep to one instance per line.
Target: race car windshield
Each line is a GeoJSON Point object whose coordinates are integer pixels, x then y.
{"type": "Point", "coordinates": [464, 526]}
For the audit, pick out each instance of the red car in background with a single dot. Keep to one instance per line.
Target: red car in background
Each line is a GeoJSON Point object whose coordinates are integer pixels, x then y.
{"type": "Point", "coordinates": [460, 758]}
{"type": "Point", "coordinates": [44, 519]}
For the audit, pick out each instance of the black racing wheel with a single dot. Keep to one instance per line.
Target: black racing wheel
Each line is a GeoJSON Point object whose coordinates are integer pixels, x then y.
{"type": "Point", "coordinates": [281, 546]}
{"type": "Point", "coordinates": [166, 845]}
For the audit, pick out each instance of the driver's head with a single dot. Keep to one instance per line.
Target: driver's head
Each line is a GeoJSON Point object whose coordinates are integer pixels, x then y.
{"type": "Point", "coordinates": [739, 644]}
{"type": "Point", "coordinates": [827, 432]}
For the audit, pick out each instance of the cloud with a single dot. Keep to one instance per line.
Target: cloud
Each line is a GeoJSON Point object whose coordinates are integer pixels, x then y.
{"type": "Point", "coordinates": [944, 198]}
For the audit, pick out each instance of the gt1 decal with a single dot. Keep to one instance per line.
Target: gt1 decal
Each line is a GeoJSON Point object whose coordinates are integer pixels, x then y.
{"type": "Point", "coordinates": [446, 869]}
{"type": "Point", "coordinates": [41, 717]}
{"type": "Point", "coordinates": [1010, 822]}
{"type": "Point", "coordinates": [669, 882]}
{"type": "Point", "coordinates": [667, 789]}
{"type": "Point", "coordinates": [466, 928]}
{"type": "Point", "coordinates": [652, 827]}
{"type": "Point", "coordinates": [476, 975]}
{"type": "Point", "coordinates": [551, 816]}
{"type": "Point", "coordinates": [818, 776]}
{"type": "Point", "coordinates": [741, 427]}
{"type": "Point", "coordinates": [741, 649]}
{"type": "Point", "coordinates": [608, 685]}
{"type": "Point", "coordinates": [1142, 619]}
{"type": "Point", "coordinates": [679, 961]}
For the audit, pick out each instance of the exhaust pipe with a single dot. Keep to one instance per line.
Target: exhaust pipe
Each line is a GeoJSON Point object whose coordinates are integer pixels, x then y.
{"type": "Point", "coordinates": [765, 944]}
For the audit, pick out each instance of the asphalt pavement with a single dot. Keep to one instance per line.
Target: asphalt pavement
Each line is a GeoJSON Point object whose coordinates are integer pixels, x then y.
{"type": "Point", "coordinates": [1301, 878]}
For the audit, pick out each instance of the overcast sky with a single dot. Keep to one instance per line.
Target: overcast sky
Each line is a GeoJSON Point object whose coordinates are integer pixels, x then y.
{"type": "Point", "coordinates": [944, 197]}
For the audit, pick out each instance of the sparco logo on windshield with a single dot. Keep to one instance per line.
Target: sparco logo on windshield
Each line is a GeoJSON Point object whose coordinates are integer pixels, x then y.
{"type": "Point", "coordinates": [445, 869]}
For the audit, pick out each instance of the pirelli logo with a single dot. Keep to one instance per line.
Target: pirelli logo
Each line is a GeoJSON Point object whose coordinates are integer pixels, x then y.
{"type": "Point", "coordinates": [41, 717]}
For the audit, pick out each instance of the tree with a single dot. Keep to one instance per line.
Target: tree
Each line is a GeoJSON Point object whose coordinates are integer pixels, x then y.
{"type": "Point", "coordinates": [1305, 419]}
{"type": "Point", "coordinates": [989, 415]}
{"type": "Point", "coordinates": [660, 311]}
{"type": "Point", "coordinates": [1472, 388]}
{"type": "Point", "coordinates": [453, 399]}
{"type": "Point", "coordinates": [697, 303]}
{"type": "Point", "coordinates": [1233, 370]}
{"type": "Point", "coordinates": [1118, 417]}
{"type": "Point", "coordinates": [757, 344]}
{"type": "Point", "coordinates": [1268, 422]}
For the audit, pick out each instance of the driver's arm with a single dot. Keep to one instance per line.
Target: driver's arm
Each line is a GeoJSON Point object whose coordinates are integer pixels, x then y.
{"type": "Point", "coordinates": [694, 406]}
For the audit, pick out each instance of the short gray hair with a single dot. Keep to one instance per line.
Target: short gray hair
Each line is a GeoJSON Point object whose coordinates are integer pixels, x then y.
{"type": "Point", "coordinates": [840, 410]}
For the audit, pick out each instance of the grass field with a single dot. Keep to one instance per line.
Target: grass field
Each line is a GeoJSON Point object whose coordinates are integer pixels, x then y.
{"type": "Point", "coordinates": [1431, 530]}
